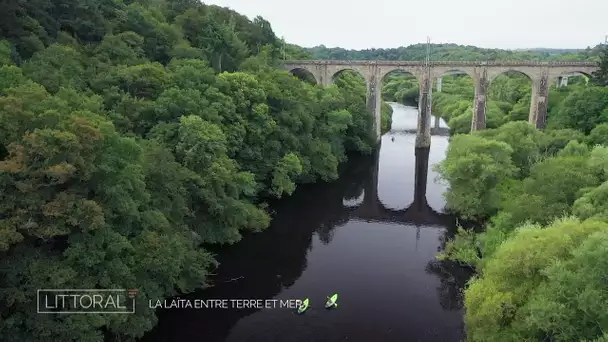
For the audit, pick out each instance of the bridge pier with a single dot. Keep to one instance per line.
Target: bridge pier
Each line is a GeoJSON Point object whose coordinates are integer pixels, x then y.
{"type": "Point", "coordinates": [374, 103]}
{"type": "Point", "coordinates": [437, 118]}
{"type": "Point", "coordinates": [423, 135]}
{"type": "Point", "coordinates": [479, 105]}
{"type": "Point", "coordinates": [322, 75]}
{"type": "Point", "coordinates": [538, 106]}
{"type": "Point", "coordinates": [562, 81]}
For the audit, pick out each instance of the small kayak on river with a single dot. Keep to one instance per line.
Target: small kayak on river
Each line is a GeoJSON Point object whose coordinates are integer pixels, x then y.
{"type": "Point", "coordinates": [303, 306]}
{"type": "Point", "coordinates": [332, 301]}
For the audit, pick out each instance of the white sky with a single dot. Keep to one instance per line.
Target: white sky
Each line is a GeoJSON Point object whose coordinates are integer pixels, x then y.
{"type": "Point", "coordinates": [361, 24]}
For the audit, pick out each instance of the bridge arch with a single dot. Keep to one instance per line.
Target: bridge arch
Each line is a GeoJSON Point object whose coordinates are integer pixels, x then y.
{"type": "Point", "coordinates": [454, 72]}
{"type": "Point", "coordinates": [560, 78]}
{"type": "Point", "coordinates": [304, 74]}
{"type": "Point", "coordinates": [453, 93]}
{"type": "Point", "coordinates": [440, 72]}
{"type": "Point", "coordinates": [400, 71]}
{"type": "Point", "coordinates": [450, 75]}
{"type": "Point", "coordinates": [510, 94]}
{"type": "Point", "coordinates": [575, 73]}
{"type": "Point", "coordinates": [400, 86]}
{"type": "Point", "coordinates": [337, 72]}
{"type": "Point", "coordinates": [417, 72]}
{"type": "Point", "coordinates": [584, 70]}
{"type": "Point", "coordinates": [347, 77]}
{"type": "Point", "coordinates": [510, 72]}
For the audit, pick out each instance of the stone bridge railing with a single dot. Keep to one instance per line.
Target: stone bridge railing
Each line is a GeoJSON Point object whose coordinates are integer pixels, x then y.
{"type": "Point", "coordinates": [444, 63]}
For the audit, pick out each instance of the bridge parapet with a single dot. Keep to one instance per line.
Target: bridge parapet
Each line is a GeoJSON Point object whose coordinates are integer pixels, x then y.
{"type": "Point", "coordinates": [513, 63]}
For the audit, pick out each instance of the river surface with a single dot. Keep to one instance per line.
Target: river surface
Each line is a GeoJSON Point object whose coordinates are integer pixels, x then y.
{"type": "Point", "coordinates": [370, 236]}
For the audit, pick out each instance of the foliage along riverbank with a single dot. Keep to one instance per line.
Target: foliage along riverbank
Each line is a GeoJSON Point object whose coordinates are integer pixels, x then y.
{"type": "Point", "coordinates": [542, 260]}
{"type": "Point", "coordinates": [130, 133]}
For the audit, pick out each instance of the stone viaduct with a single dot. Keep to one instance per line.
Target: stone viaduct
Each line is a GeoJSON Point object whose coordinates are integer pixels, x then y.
{"type": "Point", "coordinates": [542, 74]}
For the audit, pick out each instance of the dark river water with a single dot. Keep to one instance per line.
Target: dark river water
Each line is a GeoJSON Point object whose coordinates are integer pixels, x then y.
{"type": "Point", "coordinates": [370, 236]}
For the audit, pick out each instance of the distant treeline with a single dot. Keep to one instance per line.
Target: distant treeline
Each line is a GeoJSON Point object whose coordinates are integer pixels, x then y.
{"type": "Point", "coordinates": [454, 52]}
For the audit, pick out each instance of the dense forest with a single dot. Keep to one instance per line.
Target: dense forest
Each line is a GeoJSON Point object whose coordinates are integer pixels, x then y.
{"type": "Point", "coordinates": [540, 242]}
{"type": "Point", "coordinates": [132, 132]}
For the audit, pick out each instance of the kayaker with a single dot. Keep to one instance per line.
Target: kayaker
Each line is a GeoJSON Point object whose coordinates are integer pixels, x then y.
{"type": "Point", "coordinates": [332, 301]}
{"type": "Point", "coordinates": [304, 306]}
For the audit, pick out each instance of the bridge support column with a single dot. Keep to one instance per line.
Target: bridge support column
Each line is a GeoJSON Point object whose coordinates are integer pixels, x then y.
{"type": "Point", "coordinates": [322, 76]}
{"type": "Point", "coordinates": [479, 105]}
{"type": "Point", "coordinates": [423, 135]}
{"type": "Point", "coordinates": [374, 102]}
{"type": "Point", "coordinates": [564, 81]}
{"type": "Point", "coordinates": [538, 106]}
{"type": "Point", "coordinates": [437, 119]}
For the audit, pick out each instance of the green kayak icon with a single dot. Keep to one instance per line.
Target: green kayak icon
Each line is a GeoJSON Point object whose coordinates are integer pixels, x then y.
{"type": "Point", "coordinates": [304, 306]}
{"type": "Point", "coordinates": [332, 301]}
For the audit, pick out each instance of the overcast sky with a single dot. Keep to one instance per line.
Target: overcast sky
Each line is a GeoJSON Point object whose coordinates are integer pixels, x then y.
{"type": "Point", "coordinates": [361, 24]}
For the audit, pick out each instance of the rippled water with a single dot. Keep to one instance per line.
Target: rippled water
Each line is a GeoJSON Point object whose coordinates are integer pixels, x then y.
{"type": "Point", "coordinates": [371, 237]}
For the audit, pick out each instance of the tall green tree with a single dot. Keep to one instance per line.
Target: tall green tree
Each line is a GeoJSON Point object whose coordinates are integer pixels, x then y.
{"type": "Point", "coordinates": [543, 284]}
{"type": "Point", "coordinates": [475, 167]}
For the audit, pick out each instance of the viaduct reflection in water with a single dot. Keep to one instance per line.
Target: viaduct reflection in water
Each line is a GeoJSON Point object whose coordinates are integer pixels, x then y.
{"type": "Point", "coordinates": [418, 212]}
{"type": "Point", "coordinates": [263, 265]}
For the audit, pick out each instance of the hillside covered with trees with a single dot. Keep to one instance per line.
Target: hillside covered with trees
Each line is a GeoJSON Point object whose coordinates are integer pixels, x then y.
{"type": "Point", "coordinates": [132, 132]}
